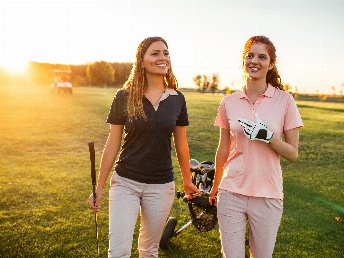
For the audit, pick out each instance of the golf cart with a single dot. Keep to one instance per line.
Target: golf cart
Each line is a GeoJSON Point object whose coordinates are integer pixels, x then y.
{"type": "Point", "coordinates": [61, 81]}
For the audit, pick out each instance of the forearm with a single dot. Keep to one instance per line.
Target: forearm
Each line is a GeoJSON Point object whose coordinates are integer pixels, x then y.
{"type": "Point", "coordinates": [183, 156]}
{"type": "Point", "coordinates": [220, 160]}
{"type": "Point", "coordinates": [107, 160]}
{"type": "Point", "coordinates": [221, 157]}
{"type": "Point", "coordinates": [110, 153]}
{"type": "Point", "coordinates": [182, 151]}
{"type": "Point", "coordinates": [288, 149]}
{"type": "Point", "coordinates": [183, 159]}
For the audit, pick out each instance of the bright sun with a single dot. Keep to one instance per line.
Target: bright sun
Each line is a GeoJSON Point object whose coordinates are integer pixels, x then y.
{"type": "Point", "coordinates": [14, 66]}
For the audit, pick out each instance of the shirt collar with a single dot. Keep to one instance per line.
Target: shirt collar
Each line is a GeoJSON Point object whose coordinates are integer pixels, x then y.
{"type": "Point", "coordinates": [168, 92]}
{"type": "Point", "coordinates": [270, 91]}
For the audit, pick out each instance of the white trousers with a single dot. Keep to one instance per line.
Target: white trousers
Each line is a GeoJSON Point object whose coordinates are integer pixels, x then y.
{"type": "Point", "coordinates": [127, 198]}
{"type": "Point", "coordinates": [263, 216]}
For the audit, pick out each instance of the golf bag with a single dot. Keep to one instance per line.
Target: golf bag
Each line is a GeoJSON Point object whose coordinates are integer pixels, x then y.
{"type": "Point", "coordinates": [202, 214]}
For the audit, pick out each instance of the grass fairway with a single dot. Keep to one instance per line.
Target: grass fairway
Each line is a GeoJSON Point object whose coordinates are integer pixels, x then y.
{"type": "Point", "coordinates": [45, 176]}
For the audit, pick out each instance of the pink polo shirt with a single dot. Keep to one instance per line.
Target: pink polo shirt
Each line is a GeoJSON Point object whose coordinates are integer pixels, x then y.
{"type": "Point", "coordinates": [252, 167]}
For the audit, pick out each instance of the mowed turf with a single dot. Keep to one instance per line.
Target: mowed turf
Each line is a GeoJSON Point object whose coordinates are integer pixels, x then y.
{"type": "Point", "coordinates": [45, 176]}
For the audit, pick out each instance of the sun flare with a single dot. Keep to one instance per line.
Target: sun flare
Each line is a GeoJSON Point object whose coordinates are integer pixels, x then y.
{"type": "Point", "coordinates": [14, 66]}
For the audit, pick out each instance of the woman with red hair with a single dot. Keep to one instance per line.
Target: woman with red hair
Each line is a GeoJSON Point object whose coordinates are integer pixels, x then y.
{"type": "Point", "coordinates": [258, 124]}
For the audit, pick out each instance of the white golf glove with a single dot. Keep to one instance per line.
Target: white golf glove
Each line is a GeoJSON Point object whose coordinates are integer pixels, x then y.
{"type": "Point", "coordinates": [256, 130]}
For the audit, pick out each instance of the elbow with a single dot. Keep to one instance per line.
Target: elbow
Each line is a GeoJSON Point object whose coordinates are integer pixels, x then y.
{"type": "Point", "coordinates": [293, 156]}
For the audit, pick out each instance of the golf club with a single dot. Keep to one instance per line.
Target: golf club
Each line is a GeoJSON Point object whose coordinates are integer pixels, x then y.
{"type": "Point", "coordinates": [94, 182]}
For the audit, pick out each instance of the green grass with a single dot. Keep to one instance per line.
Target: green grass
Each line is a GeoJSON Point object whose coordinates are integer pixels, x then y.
{"type": "Point", "coordinates": [45, 176]}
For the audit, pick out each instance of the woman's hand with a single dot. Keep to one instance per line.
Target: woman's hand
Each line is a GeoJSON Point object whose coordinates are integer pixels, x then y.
{"type": "Point", "coordinates": [256, 130]}
{"type": "Point", "coordinates": [95, 205]}
{"type": "Point", "coordinates": [189, 189]}
{"type": "Point", "coordinates": [213, 196]}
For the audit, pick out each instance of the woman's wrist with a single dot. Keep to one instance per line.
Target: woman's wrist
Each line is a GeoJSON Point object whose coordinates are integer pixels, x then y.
{"type": "Point", "coordinates": [214, 190]}
{"type": "Point", "coordinates": [100, 188]}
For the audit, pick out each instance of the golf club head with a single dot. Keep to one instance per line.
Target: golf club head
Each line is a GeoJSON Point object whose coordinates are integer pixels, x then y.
{"type": "Point", "coordinates": [194, 164]}
{"type": "Point", "coordinates": [205, 168]}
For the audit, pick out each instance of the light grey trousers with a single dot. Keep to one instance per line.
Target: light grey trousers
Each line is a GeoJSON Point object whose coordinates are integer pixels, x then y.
{"type": "Point", "coordinates": [262, 214]}
{"type": "Point", "coordinates": [126, 199]}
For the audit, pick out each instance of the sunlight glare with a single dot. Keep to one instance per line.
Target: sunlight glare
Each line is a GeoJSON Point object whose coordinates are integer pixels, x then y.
{"type": "Point", "coordinates": [14, 66]}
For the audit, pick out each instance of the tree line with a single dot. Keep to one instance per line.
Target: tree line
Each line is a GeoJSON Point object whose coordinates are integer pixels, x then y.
{"type": "Point", "coordinates": [207, 83]}
{"type": "Point", "coordinates": [99, 73]}
{"type": "Point", "coordinates": [105, 74]}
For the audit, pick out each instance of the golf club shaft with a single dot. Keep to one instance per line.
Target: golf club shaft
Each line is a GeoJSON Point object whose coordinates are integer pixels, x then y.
{"type": "Point", "coordinates": [96, 222]}
{"type": "Point", "coordinates": [94, 182]}
{"type": "Point", "coordinates": [96, 219]}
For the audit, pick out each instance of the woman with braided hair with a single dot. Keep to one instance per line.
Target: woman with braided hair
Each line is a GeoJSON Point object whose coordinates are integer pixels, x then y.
{"type": "Point", "coordinates": [258, 124]}
{"type": "Point", "coordinates": [150, 111]}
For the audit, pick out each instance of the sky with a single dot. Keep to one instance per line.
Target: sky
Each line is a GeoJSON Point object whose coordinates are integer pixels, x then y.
{"type": "Point", "coordinates": [204, 36]}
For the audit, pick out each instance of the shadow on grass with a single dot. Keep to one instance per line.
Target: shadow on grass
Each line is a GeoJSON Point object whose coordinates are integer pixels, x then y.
{"type": "Point", "coordinates": [309, 226]}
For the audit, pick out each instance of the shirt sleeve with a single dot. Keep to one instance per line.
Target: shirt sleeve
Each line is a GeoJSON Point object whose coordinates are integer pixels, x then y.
{"type": "Point", "coordinates": [183, 119]}
{"type": "Point", "coordinates": [292, 118]}
{"type": "Point", "coordinates": [221, 118]}
{"type": "Point", "coordinates": [118, 109]}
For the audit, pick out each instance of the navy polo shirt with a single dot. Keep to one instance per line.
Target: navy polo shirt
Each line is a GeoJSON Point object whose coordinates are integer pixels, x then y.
{"type": "Point", "coordinates": [145, 154]}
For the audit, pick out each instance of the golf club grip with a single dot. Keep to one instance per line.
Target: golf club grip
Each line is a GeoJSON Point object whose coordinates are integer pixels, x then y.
{"type": "Point", "coordinates": [93, 162]}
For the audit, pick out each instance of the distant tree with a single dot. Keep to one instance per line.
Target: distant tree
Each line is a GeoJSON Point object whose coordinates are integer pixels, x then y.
{"type": "Point", "coordinates": [227, 90]}
{"type": "Point", "coordinates": [41, 73]}
{"type": "Point", "coordinates": [296, 93]}
{"type": "Point", "coordinates": [287, 87]}
{"type": "Point", "coordinates": [214, 83]}
{"type": "Point", "coordinates": [198, 81]}
{"type": "Point", "coordinates": [78, 76]}
{"type": "Point", "coordinates": [100, 73]}
{"type": "Point", "coordinates": [205, 82]}
{"type": "Point", "coordinates": [122, 72]}
{"type": "Point", "coordinates": [323, 97]}
{"type": "Point", "coordinates": [79, 81]}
